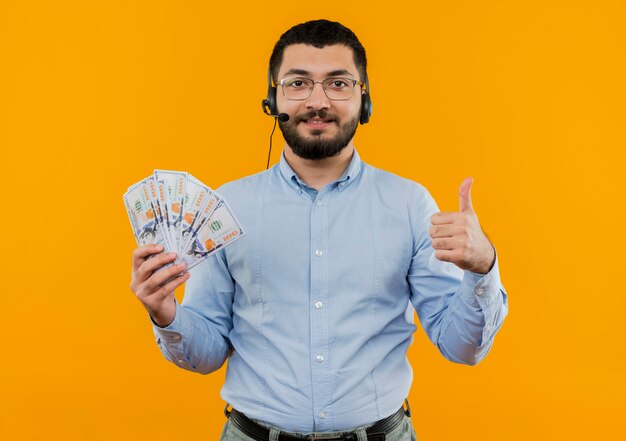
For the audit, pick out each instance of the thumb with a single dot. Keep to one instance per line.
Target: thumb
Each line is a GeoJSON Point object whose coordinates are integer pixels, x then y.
{"type": "Point", "coordinates": [465, 198]}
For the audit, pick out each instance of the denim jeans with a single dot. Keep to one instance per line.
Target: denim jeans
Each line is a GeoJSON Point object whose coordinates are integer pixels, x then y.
{"type": "Point", "coordinates": [404, 432]}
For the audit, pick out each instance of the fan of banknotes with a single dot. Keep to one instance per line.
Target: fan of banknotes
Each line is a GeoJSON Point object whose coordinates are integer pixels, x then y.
{"type": "Point", "coordinates": [177, 211]}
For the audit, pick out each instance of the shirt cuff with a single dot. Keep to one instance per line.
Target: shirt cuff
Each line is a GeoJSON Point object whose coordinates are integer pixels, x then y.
{"type": "Point", "coordinates": [481, 290]}
{"type": "Point", "coordinates": [171, 333]}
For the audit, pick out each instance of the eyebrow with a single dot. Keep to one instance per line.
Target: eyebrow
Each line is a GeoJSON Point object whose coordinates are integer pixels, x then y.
{"type": "Point", "coordinates": [333, 73]}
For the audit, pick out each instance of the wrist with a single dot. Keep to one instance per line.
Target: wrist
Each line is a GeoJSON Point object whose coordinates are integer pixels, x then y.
{"type": "Point", "coordinates": [488, 263]}
{"type": "Point", "coordinates": [164, 317]}
{"type": "Point", "coordinates": [160, 322]}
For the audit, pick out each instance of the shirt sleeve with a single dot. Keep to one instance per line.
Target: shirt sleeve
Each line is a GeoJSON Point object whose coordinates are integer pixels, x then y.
{"type": "Point", "coordinates": [460, 311]}
{"type": "Point", "coordinates": [197, 339]}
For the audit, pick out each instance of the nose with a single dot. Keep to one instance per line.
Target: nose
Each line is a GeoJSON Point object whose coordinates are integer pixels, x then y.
{"type": "Point", "coordinates": [318, 98]}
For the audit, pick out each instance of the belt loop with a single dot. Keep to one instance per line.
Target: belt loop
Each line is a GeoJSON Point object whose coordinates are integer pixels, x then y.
{"type": "Point", "coordinates": [274, 434]}
{"type": "Point", "coordinates": [361, 434]}
{"type": "Point", "coordinates": [407, 411]}
{"type": "Point", "coordinates": [226, 411]}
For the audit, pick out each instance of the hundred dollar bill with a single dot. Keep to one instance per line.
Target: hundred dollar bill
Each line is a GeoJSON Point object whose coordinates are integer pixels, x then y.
{"type": "Point", "coordinates": [175, 181]}
{"type": "Point", "coordinates": [166, 204]}
{"type": "Point", "coordinates": [196, 196]}
{"type": "Point", "coordinates": [142, 215]}
{"type": "Point", "coordinates": [218, 230]}
{"type": "Point", "coordinates": [209, 206]}
{"type": "Point", "coordinates": [157, 195]}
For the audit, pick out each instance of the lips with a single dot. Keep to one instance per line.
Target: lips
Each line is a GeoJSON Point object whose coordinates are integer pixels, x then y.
{"type": "Point", "coordinates": [317, 120]}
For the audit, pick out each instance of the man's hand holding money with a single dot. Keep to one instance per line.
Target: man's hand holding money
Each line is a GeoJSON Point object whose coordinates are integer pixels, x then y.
{"type": "Point", "coordinates": [149, 285]}
{"type": "Point", "coordinates": [178, 222]}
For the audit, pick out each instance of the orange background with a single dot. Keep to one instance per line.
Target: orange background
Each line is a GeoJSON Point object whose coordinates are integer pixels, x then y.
{"type": "Point", "coordinates": [529, 97]}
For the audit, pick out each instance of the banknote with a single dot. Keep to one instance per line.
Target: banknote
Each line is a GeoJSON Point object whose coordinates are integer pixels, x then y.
{"type": "Point", "coordinates": [177, 211]}
{"type": "Point", "coordinates": [143, 216]}
{"type": "Point", "coordinates": [175, 182]}
{"type": "Point", "coordinates": [221, 228]}
{"type": "Point", "coordinates": [196, 196]}
{"type": "Point", "coordinates": [164, 199]}
{"type": "Point", "coordinates": [191, 232]}
{"type": "Point", "coordinates": [156, 192]}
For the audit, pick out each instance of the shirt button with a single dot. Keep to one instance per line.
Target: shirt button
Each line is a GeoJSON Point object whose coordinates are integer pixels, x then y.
{"type": "Point", "coordinates": [322, 414]}
{"type": "Point", "coordinates": [319, 305]}
{"type": "Point", "coordinates": [319, 358]}
{"type": "Point", "coordinates": [318, 253]}
{"type": "Point", "coordinates": [319, 203]}
{"type": "Point", "coordinates": [181, 361]}
{"type": "Point", "coordinates": [176, 337]}
{"type": "Point", "coordinates": [480, 291]}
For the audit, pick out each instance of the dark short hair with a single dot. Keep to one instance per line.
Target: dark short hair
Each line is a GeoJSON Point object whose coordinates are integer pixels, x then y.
{"type": "Point", "coordinates": [319, 33]}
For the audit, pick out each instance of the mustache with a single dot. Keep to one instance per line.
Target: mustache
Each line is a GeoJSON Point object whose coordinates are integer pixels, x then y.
{"type": "Point", "coordinates": [321, 114]}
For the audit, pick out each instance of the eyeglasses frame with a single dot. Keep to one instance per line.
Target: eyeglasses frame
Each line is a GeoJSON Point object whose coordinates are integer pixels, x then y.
{"type": "Point", "coordinates": [355, 82]}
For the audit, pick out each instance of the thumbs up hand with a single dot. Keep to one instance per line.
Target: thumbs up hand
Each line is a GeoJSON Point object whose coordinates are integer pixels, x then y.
{"type": "Point", "coordinates": [458, 238]}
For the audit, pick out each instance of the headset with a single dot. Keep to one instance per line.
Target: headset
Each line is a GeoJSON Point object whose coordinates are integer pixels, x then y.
{"type": "Point", "coordinates": [270, 108]}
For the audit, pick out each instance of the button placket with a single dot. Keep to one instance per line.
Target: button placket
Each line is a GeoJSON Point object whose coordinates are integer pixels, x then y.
{"type": "Point", "coordinates": [319, 314]}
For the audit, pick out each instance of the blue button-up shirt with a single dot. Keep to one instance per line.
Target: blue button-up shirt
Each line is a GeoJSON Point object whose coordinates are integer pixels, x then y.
{"type": "Point", "coordinates": [313, 308]}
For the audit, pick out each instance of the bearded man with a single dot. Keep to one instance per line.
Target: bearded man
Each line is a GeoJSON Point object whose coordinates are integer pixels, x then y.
{"type": "Point", "coordinates": [313, 308]}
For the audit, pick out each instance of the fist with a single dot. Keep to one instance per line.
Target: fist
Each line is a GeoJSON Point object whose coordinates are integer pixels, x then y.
{"type": "Point", "coordinates": [154, 279]}
{"type": "Point", "coordinates": [458, 238]}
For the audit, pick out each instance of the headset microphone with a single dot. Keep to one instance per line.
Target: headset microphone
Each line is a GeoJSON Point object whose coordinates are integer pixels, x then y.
{"type": "Point", "coordinates": [269, 108]}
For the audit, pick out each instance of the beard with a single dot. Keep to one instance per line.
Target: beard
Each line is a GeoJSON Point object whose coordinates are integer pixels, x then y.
{"type": "Point", "coordinates": [316, 146]}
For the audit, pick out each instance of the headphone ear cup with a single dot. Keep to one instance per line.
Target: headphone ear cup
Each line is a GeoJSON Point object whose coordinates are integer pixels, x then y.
{"type": "Point", "coordinates": [271, 100]}
{"type": "Point", "coordinates": [366, 108]}
{"type": "Point", "coordinates": [269, 104]}
{"type": "Point", "coordinates": [366, 104]}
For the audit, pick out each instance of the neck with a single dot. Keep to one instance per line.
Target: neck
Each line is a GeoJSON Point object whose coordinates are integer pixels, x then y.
{"type": "Point", "coordinates": [319, 172]}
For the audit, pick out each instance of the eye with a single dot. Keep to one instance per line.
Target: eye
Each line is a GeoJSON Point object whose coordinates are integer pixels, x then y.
{"type": "Point", "coordinates": [338, 83]}
{"type": "Point", "coordinates": [297, 83]}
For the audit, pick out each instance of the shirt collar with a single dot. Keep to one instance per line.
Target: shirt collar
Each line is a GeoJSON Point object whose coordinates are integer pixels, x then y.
{"type": "Point", "coordinates": [348, 177]}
